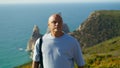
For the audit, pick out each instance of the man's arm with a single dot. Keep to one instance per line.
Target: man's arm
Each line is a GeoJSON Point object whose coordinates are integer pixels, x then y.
{"type": "Point", "coordinates": [80, 66]}
{"type": "Point", "coordinates": [35, 64]}
{"type": "Point", "coordinates": [78, 55]}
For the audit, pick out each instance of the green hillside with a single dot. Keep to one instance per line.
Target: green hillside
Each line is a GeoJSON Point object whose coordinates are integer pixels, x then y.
{"type": "Point", "coordinates": [26, 65]}
{"type": "Point", "coordinates": [103, 55]}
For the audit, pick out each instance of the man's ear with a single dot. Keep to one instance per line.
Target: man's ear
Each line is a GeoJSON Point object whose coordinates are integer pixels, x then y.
{"type": "Point", "coordinates": [48, 25]}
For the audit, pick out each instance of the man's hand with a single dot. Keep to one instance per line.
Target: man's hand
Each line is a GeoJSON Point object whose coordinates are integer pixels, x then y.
{"type": "Point", "coordinates": [35, 64]}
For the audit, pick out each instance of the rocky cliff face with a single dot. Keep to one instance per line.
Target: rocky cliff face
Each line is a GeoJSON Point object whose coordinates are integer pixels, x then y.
{"type": "Point", "coordinates": [98, 27]}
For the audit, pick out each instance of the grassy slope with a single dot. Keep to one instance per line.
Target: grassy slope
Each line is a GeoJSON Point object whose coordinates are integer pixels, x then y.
{"type": "Point", "coordinates": [105, 54]}
{"type": "Point", "coordinates": [26, 65]}
{"type": "Point", "coordinates": [104, 47]}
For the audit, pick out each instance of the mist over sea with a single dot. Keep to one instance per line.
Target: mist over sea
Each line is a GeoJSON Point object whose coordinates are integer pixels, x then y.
{"type": "Point", "coordinates": [17, 21]}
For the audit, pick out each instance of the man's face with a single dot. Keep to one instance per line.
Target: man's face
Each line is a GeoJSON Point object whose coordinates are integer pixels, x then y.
{"type": "Point", "coordinates": [55, 23]}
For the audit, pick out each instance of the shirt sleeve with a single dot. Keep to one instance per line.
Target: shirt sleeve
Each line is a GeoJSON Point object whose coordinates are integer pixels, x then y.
{"type": "Point", "coordinates": [78, 54]}
{"type": "Point", "coordinates": [36, 51]}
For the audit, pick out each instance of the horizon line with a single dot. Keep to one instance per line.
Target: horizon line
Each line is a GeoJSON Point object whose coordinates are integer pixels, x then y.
{"type": "Point", "coordinates": [2, 3]}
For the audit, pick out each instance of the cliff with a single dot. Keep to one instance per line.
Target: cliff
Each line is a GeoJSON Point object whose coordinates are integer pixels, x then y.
{"type": "Point", "coordinates": [98, 27]}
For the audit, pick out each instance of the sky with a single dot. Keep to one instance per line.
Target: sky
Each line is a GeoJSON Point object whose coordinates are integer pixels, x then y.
{"type": "Point", "coordinates": [52, 1]}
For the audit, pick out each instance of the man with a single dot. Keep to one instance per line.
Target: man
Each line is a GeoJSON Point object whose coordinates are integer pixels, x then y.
{"type": "Point", "coordinates": [59, 50]}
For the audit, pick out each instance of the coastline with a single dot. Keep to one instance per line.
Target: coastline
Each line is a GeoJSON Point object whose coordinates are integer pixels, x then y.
{"type": "Point", "coordinates": [25, 65]}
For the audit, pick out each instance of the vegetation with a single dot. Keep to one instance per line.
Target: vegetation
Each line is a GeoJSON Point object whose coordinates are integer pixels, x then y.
{"type": "Point", "coordinates": [103, 55]}
{"type": "Point", "coordinates": [26, 65]}
{"type": "Point", "coordinates": [109, 46]}
{"type": "Point", "coordinates": [102, 61]}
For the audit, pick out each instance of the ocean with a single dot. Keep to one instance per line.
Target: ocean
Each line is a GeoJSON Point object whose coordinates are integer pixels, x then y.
{"type": "Point", "coordinates": [17, 22]}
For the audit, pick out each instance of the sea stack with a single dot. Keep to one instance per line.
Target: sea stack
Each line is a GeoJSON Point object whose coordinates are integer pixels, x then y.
{"type": "Point", "coordinates": [33, 38]}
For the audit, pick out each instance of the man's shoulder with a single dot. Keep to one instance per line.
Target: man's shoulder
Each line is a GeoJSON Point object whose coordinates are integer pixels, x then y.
{"type": "Point", "coordinates": [68, 36]}
{"type": "Point", "coordinates": [46, 35]}
{"type": "Point", "coordinates": [71, 37]}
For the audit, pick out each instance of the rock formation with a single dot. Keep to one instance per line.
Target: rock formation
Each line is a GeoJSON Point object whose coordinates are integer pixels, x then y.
{"type": "Point", "coordinates": [33, 38]}
{"type": "Point", "coordinates": [98, 27]}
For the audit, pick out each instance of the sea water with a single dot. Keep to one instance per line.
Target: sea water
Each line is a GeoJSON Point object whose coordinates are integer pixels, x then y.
{"type": "Point", "coordinates": [17, 21]}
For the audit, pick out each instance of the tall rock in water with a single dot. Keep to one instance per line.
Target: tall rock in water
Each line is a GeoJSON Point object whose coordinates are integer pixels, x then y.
{"type": "Point", "coordinates": [33, 38]}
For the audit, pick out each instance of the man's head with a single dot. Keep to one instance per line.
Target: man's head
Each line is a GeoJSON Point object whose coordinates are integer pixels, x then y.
{"type": "Point", "coordinates": [55, 23]}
